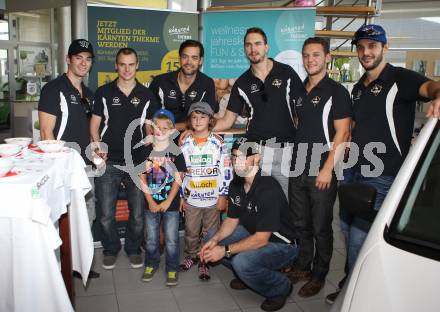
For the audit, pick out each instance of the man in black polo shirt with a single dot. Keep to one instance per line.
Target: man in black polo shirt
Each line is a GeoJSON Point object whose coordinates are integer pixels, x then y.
{"type": "Point", "coordinates": [322, 109]}
{"type": "Point", "coordinates": [265, 92]}
{"type": "Point", "coordinates": [384, 102]}
{"type": "Point", "coordinates": [118, 105]}
{"type": "Point", "coordinates": [177, 90]}
{"type": "Point", "coordinates": [256, 240]}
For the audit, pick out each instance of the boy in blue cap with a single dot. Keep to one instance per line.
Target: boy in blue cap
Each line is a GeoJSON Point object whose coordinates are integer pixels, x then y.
{"type": "Point", "coordinates": [161, 180]}
{"type": "Point", "coordinates": [384, 102]}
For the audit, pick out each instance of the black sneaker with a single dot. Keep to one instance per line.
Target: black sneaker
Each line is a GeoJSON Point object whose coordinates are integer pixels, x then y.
{"type": "Point", "coordinates": [331, 298]}
{"type": "Point", "coordinates": [276, 303]}
{"type": "Point", "coordinates": [136, 261]}
{"type": "Point", "coordinates": [109, 262]}
{"type": "Point", "coordinates": [237, 284]}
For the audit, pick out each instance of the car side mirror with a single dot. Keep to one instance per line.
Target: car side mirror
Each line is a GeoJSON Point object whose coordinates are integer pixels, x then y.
{"type": "Point", "coordinates": [357, 200]}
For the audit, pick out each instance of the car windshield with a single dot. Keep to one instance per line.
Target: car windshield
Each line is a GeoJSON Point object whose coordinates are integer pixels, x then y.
{"type": "Point", "coordinates": [416, 226]}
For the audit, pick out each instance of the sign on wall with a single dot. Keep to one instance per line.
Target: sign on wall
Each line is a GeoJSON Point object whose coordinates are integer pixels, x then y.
{"type": "Point", "coordinates": [155, 35]}
{"type": "Point", "coordinates": [223, 34]}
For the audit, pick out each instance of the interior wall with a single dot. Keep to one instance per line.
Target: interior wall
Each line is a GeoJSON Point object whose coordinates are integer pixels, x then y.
{"type": "Point", "coordinates": [431, 57]}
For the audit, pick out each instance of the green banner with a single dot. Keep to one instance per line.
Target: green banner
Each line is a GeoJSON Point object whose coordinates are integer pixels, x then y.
{"type": "Point", "coordinates": [155, 35]}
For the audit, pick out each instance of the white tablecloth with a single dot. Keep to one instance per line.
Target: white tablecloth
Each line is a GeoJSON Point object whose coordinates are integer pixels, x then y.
{"type": "Point", "coordinates": [31, 202]}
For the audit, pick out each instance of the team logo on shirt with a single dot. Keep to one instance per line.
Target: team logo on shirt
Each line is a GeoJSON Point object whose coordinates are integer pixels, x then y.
{"type": "Point", "coordinates": [116, 101]}
{"type": "Point", "coordinates": [299, 102]}
{"type": "Point", "coordinates": [135, 101]}
{"type": "Point", "coordinates": [73, 99]}
{"type": "Point", "coordinates": [236, 200]}
{"type": "Point", "coordinates": [376, 89]}
{"type": "Point", "coordinates": [192, 94]}
{"type": "Point", "coordinates": [277, 83]}
{"type": "Point", "coordinates": [172, 94]}
{"type": "Point", "coordinates": [358, 95]}
{"type": "Point", "coordinates": [254, 88]}
{"type": "Point", "coordinates": [249, 206]}
{"type": "Point", "coordinates": [316, 100]}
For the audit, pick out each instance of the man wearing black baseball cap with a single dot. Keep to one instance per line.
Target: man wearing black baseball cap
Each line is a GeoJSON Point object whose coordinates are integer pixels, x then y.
{"type": "Point", "coordinates": [64, 108]}
{"type": "Point", "coordinates": [384, 102]}
{"type": "Point", "coordinates": [256, 240]}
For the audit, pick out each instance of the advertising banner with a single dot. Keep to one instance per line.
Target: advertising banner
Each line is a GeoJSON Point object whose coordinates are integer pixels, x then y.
{"type": "Point", "coordinates": [155, 35]}
{"type": "Point", "coordinates": [223, 33]}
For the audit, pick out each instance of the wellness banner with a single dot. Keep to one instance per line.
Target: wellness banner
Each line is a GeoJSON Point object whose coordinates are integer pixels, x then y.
{"type": "Point", "coordinates": [223, 34]}
{"type": "Point", "coordinates": [155, 35]}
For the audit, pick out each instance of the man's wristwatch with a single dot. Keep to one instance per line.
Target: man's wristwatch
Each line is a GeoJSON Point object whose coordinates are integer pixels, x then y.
{"type": "Point", "coordinates": [228, 253]}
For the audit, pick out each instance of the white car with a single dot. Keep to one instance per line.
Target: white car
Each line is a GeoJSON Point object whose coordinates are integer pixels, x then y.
{"type": "Point", "coordinates": [398, 267]}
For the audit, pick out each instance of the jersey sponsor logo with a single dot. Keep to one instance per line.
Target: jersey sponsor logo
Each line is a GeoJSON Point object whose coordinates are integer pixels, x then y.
{"type": "Point", "coordinates": [376, 89]}
{"type": "Point", "coordinates": [299, 102]}
{"type": "Point", "coordinates": [254, 88]}
{"type": "Point", "coordinates": [172, 94]}
{"type": "Point", "coordinates": [203, 184]}
{"type": "Point", "coordinates": [135, 101]}
{"type": "Point", "coordinates": [203, 171]}
{"type": "Point", "coordinates": [116, 101]}
{"type": "Point", "coordinates": [316, 100]}
{"type": "Point", "coordinates": [203, 196]}
{"type": "Point", "coordinates": [200, 160]}
{"type": "Point", "coordinates": [277, 83]}
{"type": "Point", "coordinates": [192, 94]}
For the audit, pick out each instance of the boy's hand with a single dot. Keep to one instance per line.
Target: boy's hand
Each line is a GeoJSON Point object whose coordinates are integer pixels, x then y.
{"type": "Point", "coordinates": [222, 203]}
{"type": "Point", "coordinates": [165, 205]}
{"type": "Point", "coordinates": [182, 206]}
{"type": "Point", "coordinates": [154, 207]}
{"type": "Point", "coordinates": [184, 135]}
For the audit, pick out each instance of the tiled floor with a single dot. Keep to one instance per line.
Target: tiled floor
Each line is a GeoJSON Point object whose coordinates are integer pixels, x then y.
{"type": "Point", "coordinates": [122, 290]}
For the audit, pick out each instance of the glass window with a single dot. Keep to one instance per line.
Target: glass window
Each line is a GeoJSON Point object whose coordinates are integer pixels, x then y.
{"type": "Point", "coordinates": [416, 224]}
{"type": "Point", "coordinates": [4, 30]}
{"type": "Point", "coordinates": [32, 26]}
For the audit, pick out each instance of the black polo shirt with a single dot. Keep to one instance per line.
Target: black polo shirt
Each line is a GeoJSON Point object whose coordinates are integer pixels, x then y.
{"type": "Point", "coordinates": [60, 98]}
{"type": "Point", "coordinates": [267, 103]}
{"type": "Point", "coordinates": [316, 112]}
{"type": "Point", "coordinates": [263, 209]}
{"type": "Point", "coordinates": [169, 95]}
{"type": "Point", "coordinates": [118, 111]}
{"type": "Point", "coordinates": [384, 111]}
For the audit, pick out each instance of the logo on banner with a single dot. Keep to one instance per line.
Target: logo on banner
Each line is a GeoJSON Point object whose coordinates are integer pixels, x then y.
{"type": "Point", "coordinates": [277, 83]}
{"type": "Point", "coordinates": [173, 30]}
{"type": "Point", "coordinates": [203, 184]}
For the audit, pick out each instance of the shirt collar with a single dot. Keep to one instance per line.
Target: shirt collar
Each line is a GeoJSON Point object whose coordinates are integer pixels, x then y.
{"type": "Point", "coordinates": [321, 84]}
{"type": "Point", "coordinates": [71, 87]}
{"type": "Point", "coordinates": [384, 76]}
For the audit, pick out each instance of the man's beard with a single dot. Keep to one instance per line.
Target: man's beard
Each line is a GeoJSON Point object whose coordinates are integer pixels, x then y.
{"type": "Point", "coordinates": [376, 62]}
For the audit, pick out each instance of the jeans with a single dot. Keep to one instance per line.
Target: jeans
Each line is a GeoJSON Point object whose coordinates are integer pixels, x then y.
{"type": "Point", "coordinates": [171, 229]}
{"type": "Point", "coordinates": [258, 268]}
{"type": "Point", "coordinates": [355, 230]}
{"type": "Point", "coordinates": [106, 194]}
{"type": "Point", "coordinates": [312, 211]}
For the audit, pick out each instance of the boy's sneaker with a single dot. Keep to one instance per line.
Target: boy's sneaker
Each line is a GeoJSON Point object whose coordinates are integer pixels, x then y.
{"type": "Point", "coordinates": [148, 274]}
{"type": "Point", "coordinates": [109, 262]}
{"type": "Point", "coordinates": [331, 298]}
{"type": "Point", "coordinates": [136, 261]}
{"type": "Point", "coordinates": [204, 272]}
{"type": "Point", "coordinates": [187, 263]}
{"type": "Point", "coordinates": [172, 278]}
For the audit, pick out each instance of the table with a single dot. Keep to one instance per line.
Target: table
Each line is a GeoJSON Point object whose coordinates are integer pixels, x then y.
{"type": "Point", "coordinates": [31, 204]}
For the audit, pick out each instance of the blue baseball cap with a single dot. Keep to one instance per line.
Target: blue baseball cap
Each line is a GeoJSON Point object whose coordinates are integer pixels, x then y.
{"type": "Point", "coordinates": [166, 113]}
{"type": "Point", "coordinates": [371, 32]}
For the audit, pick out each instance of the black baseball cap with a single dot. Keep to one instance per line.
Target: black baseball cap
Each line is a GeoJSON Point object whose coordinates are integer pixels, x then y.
{"type": "Point", "coordinates": [80, 45]}
{"type": "Point", "coordinates": [246, 147]}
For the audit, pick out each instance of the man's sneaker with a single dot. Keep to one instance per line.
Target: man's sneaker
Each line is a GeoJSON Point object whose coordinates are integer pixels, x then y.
{"type": "Point", "coordinates": [136, 261]}
{"type": "Point", "coordinates": [187, 263]}
{"type": "Point", "coordinates": [204, 272]}
{"type": "Point", "coordinates": [172, 278]}
{"type": "Point", "coordinates": [109, 262]}
{"type": "Point", "coordinates": [276, 303]}
{"type": "Point", "coordinates": [148, 274]}
{"type": "Point", "coordinates": [331, 298]}
{"type": "Point", "coordinates": [237, 284]}
{"type": "Point", "coordinates": [296, 276]}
